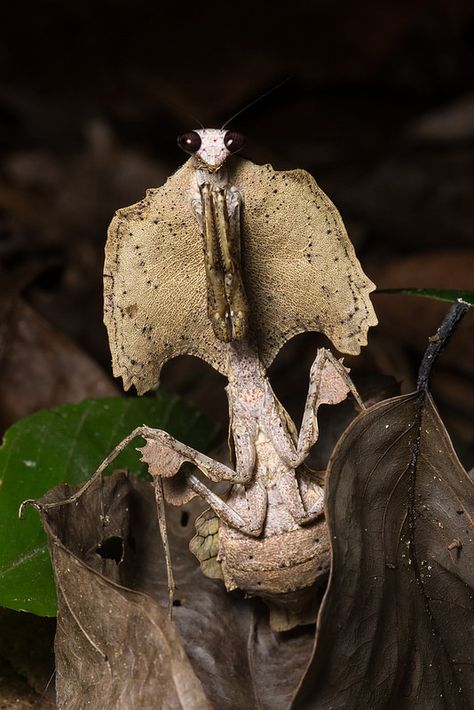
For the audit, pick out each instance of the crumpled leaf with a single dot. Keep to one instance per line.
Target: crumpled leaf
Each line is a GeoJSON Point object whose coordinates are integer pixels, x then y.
{"type": "Point", "coordinates": [115, 648]}
{"type": "Point", "coordinates": [40, 367]}
{"type": "Point", "coordinates": [395, 628]}
{"type": "Point", "coordinates": [113, 625]}
{"type": "Point", "coordinates": [66, 444]}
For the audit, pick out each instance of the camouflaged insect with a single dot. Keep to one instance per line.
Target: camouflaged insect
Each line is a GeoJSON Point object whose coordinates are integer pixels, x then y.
{"type": "Point", "coordinates": [227, 261]}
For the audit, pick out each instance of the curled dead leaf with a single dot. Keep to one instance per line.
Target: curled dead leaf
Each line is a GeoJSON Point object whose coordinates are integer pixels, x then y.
{"type": "Point", "coordinates": [395, 624]}
{"type": "Point", "coordinates": [115, 646]}
{"type": "Point", "coordinates": [41, 368]}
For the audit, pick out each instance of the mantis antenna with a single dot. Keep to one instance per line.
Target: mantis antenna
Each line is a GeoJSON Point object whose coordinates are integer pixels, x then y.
{"type": "Point", "coordinates": [252, 103]}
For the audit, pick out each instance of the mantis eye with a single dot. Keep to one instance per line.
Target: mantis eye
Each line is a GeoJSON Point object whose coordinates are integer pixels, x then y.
{"type": "Point", "coordinates": [233, 141]}
{"type": "Point", "coordinates": [190, 142]}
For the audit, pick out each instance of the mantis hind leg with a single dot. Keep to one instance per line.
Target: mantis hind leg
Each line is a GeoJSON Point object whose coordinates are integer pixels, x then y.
{"type": "Point", "coordinates": [139, 431]}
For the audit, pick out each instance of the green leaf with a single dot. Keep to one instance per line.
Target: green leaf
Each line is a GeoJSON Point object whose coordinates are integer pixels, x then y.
{"type": "Point", "coordinates": [65, 445]}
{"type": "Point", "coordinates": [439, 294]}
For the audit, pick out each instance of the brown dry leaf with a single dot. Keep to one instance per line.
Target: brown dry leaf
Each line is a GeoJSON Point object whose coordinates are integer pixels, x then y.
{"type": "Point", "coordinates": [113, 624]}
{"type": "Point", "coordinates": [41, 368]}
{"type": "Point", "coordinates": [115, 648]}
{"type": "Point", "coordinates": [299, 268]}
{"type": "Point", "coordinates": [395, 628]}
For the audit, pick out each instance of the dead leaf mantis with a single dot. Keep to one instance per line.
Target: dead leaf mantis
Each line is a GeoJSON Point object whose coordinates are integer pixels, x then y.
{"type": "Point", "coordinates": [227, 261]}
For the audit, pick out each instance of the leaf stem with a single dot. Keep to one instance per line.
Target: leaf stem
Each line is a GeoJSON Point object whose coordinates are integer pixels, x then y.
{"type": "Point", "coordinates": [439, 341]}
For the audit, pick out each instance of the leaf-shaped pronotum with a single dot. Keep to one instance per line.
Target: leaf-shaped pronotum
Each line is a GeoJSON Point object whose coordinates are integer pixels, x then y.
{"type": "Point", "coordinates": [298, 266]}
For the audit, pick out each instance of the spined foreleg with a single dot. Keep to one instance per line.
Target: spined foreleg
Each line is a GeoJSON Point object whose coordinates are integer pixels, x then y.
{"type": "Point", "coordinates": [329, 383]}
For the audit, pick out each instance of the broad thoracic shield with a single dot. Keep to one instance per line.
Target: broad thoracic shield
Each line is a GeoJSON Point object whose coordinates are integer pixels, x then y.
{"type": "Point", "coordinates": [299, 269]}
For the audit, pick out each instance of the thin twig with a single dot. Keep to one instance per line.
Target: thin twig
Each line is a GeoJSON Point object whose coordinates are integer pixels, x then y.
{"type": "Point", "coordinates": [439, 341]}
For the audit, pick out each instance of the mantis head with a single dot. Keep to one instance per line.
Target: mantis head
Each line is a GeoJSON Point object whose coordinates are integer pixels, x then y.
{"type": "Point", "coordinates": [211, 146]}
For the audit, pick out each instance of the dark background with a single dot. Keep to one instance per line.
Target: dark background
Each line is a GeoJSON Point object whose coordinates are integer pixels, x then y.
{"type": "Point", "coordinates": [378, 105]}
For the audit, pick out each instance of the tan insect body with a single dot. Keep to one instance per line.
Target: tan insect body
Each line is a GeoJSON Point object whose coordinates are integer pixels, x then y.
{"type": "Point", "coordinates": [227, 261]}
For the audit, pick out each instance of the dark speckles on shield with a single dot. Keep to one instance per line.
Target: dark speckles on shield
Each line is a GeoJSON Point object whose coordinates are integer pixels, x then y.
{"type": "Point", "coordinates": [131, 310]}
{"type": "Point", "coordinates": [163, 227]}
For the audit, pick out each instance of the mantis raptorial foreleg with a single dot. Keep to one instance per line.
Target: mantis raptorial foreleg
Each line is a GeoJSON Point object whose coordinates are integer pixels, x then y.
{"type": "Point", "coordinates": [329, 383]}
{"type": "Point", "coordinates": [226, 206]}
{"type": "Point", "coordinates": [216, 297]}
{"type": "Point", "coordinates": [218, 213]}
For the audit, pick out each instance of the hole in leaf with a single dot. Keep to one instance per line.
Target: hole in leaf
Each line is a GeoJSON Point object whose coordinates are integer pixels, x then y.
{"type": "Point", "coordinates": [111, 549]}
{"type": "Point", "coordinates": [176, 602]}
{"type": "Point", "coordinates": [184, 518]}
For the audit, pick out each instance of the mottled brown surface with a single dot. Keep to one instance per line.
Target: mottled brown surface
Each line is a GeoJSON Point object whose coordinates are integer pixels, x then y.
{"type": "Point", "coordinates": [298, 265]}
{"type": "Point", "coordinates": [115, 646]}
{"type": "Point", "coordinates": [254, 565]}
{"type": "Point", "coordinates": [42, 368]}
{"type": "Point", "coordinates": [400, 596]}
